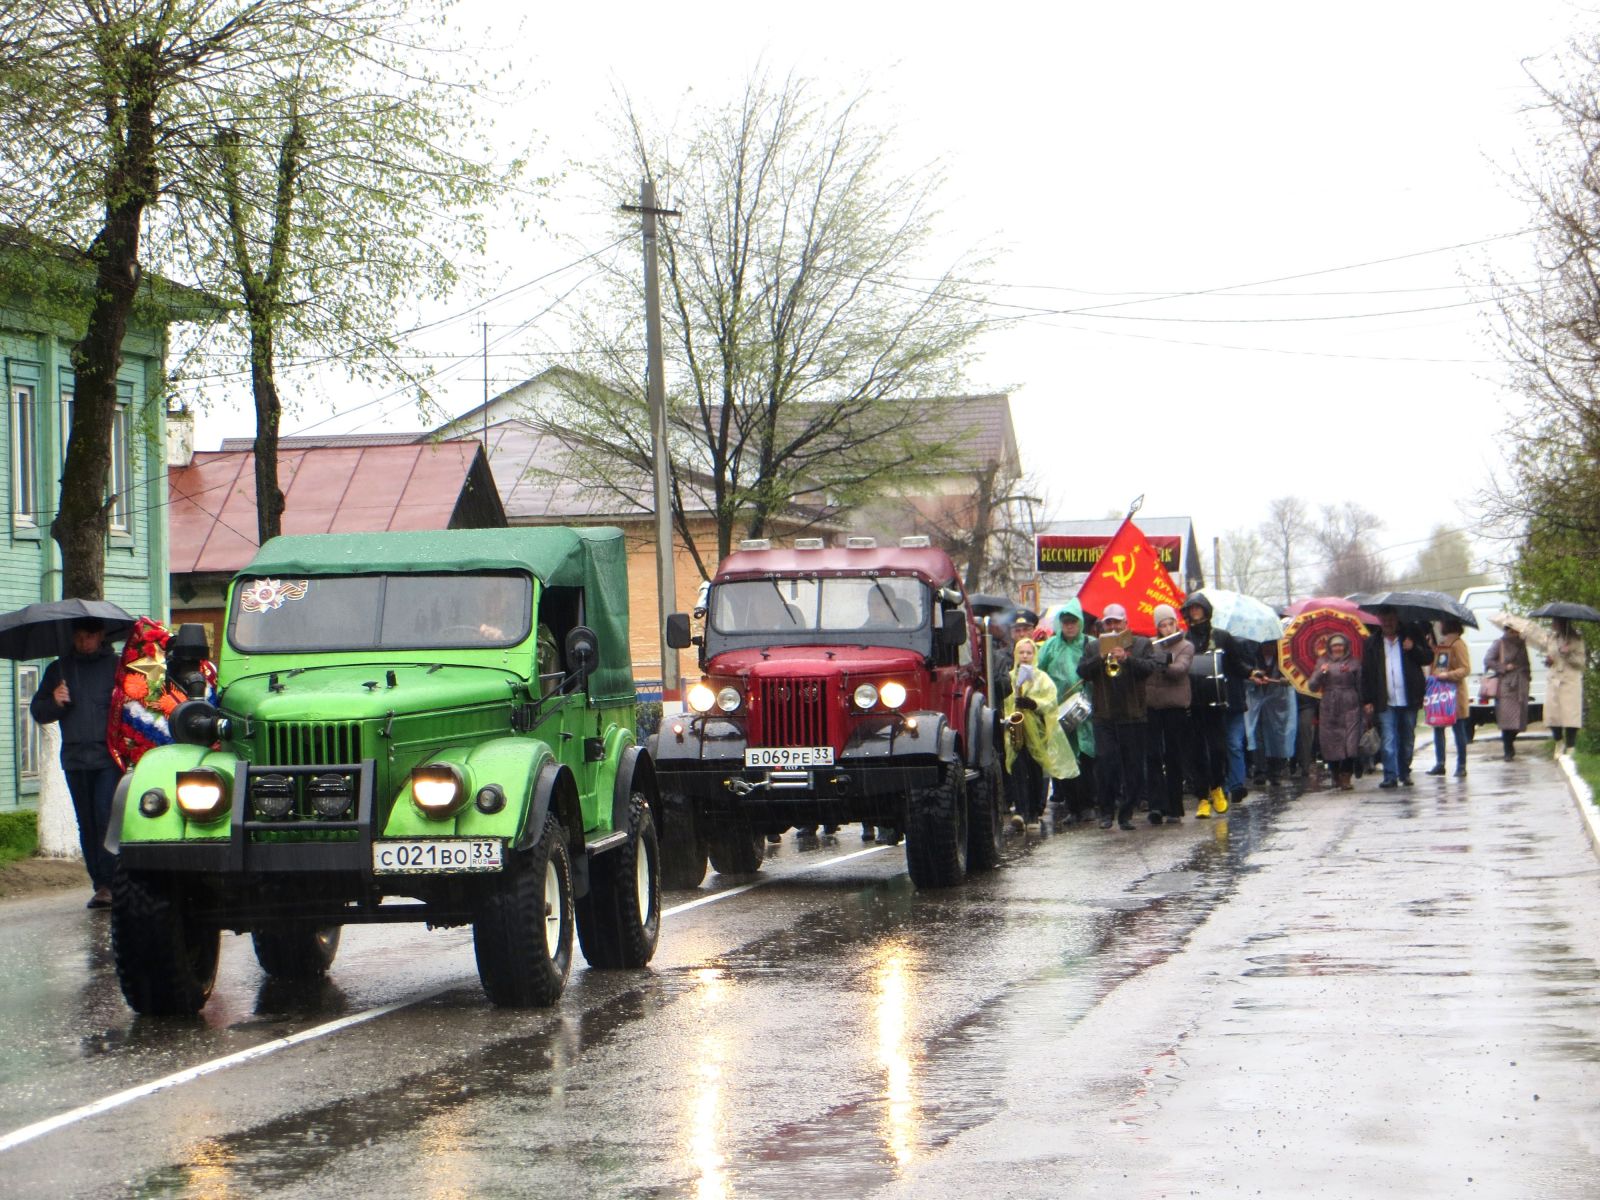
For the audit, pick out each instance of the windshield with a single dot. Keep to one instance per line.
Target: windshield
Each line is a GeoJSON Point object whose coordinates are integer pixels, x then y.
{"type": "Point", "coordinates": [380, 612]}
{"type": "Point", "coordinates": [831, 605]}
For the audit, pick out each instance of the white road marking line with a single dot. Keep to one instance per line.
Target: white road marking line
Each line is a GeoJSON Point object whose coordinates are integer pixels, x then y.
{"type": "Point", "coordinates": [38, 1129]}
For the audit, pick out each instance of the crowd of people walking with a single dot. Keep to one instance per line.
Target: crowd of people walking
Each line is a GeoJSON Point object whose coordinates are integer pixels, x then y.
{"type": "Point", "coordinates": [1196, 712]}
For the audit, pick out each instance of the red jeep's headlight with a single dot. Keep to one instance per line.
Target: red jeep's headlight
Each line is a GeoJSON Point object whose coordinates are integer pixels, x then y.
{"type": "Point", "coordinates": [700, 697]}
{"type": "Point", "coordinates": [892, 694]}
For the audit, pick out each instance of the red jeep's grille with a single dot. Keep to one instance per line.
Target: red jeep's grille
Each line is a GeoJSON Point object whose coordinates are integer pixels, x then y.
{"type": "Point", "coordinates": [792, 712]}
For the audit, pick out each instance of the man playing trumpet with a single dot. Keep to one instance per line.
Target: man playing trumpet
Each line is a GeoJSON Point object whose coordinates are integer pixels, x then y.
{"type": "Point", "coordinates": [1035, 743]}
{"type": "Point", "coordinates": [1116, 666]}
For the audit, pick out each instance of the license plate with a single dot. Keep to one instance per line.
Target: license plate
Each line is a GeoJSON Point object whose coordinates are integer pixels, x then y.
{"type": "Point", "coordinates": [789, 756]}
{"type": "Point", "coordinates": [459, 854]}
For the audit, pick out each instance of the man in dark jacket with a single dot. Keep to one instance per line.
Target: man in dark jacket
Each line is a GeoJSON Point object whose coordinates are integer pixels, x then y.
{"type": "Point", "coordinates": [1391, 690]}
{"type": "Point", "coordinates": [76, 691]}
{"type": "Point", "coordinates": [1119, 718]}
{"type": "Point", "coordinates": [1218, 728]}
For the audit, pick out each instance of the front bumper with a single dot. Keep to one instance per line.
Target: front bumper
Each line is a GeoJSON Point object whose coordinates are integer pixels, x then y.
{"type": "Point", "coordinates": [870, 779]}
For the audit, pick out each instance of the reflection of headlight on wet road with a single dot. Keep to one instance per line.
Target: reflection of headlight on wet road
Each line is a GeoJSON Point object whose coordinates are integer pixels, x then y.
{"type": "Point", "coordinates": [892, 981]}
{"type": "Point", "coordinates": [705, 1117]}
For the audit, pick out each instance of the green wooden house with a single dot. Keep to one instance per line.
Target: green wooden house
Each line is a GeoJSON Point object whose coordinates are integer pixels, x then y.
{"type": "Point", "coordinates": [44, 292]}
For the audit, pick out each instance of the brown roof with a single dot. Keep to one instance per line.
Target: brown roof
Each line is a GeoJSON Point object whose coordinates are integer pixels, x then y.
{"type": "Point", "coordinates": [327, 489]}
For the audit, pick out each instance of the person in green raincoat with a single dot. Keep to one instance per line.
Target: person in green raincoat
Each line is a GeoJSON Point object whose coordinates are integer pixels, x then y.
{"type": "Point", "coordinates": [1041, 745]}
{"type": "Point", "coordinates": [1074, 798]}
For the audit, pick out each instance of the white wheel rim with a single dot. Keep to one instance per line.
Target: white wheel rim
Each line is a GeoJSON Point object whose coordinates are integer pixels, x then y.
{"type": "Point", "coordinates": [641, 880]}
{"type": "Point", "coordinates": [552, 910]}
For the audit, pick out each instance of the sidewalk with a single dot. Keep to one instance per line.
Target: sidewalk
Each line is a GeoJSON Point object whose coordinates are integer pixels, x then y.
{"type": "Point", "coordinates": [1399, 1001]}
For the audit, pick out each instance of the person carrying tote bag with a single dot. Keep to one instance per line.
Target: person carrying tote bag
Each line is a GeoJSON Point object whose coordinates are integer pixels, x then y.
{"type": "Point", "coordinates": [1451, 666]}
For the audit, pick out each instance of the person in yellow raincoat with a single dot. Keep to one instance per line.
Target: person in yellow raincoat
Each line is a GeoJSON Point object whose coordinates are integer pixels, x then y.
{"type": "Point", "coordinates": [1035, 746]}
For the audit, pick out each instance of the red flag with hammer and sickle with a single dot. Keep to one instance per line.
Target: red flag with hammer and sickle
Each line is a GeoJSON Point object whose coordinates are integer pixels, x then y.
{"type": "Point", "coordinates": [1130, 573]}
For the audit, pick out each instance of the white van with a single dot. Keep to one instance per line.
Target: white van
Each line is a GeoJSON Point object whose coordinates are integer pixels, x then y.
{"type": "Point", "coordinates": [1483, 601]}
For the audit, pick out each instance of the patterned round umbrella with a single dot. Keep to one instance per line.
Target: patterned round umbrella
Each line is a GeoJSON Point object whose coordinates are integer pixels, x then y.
{"type": "Point", "coordinates": [1305, 642]}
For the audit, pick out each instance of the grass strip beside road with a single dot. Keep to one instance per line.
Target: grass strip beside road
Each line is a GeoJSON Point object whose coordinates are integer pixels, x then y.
{"type": "Point", "coordinates": [1588, 765]}
{"type": "Point", "coordinates": [19, 836]}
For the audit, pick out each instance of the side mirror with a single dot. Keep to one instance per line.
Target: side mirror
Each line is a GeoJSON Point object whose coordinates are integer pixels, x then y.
{"type": "Point", "coordinates": [954, 629]}
{"type": "Point", "coordinates": [678, 636]}
{"type": "Point", "coordinates": [583, 651]}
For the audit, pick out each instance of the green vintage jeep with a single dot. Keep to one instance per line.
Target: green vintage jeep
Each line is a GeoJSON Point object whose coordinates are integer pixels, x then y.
{"type": "Point", "coordinates": [430, 727]}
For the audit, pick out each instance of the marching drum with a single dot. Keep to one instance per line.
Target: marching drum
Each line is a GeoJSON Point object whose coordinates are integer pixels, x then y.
{"type": "Point", "coordinates": [1208, 684]}
{"type": "Point", "coordinates": [1075, 712]}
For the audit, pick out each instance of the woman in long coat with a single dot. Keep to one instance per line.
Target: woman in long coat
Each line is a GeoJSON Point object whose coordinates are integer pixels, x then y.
{"type": "Point", "coordinates": [1337, 680]}
{"type": "Point", "coordinates": [1566, 656]}
{"type": "Point", "coordinates": [1507, 663]}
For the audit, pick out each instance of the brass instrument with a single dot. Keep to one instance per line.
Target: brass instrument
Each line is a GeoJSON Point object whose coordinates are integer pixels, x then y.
{"type": "Point", "coordinates": [1113, 641]}
{"type": "Point", "coordinates": [1014, 734]}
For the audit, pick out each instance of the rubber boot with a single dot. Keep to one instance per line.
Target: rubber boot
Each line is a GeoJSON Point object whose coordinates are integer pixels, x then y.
{"type": "Point", "coordinates": [1219, 801]}
{"type": "Point", "coordinates": [1203, 809]}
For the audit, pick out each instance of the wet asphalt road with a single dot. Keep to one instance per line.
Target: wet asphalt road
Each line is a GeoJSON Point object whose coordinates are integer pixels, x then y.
{"type": "Point", "coordinates": [1377, 994]}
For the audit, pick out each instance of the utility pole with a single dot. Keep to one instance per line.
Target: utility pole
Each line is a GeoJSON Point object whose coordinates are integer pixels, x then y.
{"type": "Point", "coordinates": [1216, 562]}
{"type": "Point", "coordinates": [656, 388]}
{"type": "Point", "coordinates": [486, 386]}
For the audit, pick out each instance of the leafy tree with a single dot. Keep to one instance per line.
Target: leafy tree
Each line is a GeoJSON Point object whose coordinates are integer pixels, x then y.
{"type": "Point", "coordinates": [343, 184]}
{"type": "Point", "coordinates": [798, 324]}
{"type": "Point", "coordinates": [1548, 498]}
{"type": "Point", "coordinates": [100, 103]}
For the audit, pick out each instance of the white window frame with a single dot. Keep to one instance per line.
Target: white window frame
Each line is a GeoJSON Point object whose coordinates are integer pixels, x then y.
{"type": "Point", "coordinates": [30, 740]}
{"type": "Point", "coordinates": [24, 453]}
{"type": "Point", "coordinates": [121, 474]}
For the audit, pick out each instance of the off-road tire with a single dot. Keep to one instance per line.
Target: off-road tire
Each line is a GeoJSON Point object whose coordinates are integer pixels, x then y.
{"type": "Point", "coordinates": [619, 921]}
{"type": "Point", "coordinates": [936, 831]}
{"type": "Point", "coordinates": [296, 952]}
{"type": "Point", "coordinates": [166, 961]}
{"type": "Point", "coordinates": [523, 943]}
{"type": "Point", "coordinates": [683, 854]}
{"type": "Point", "coordinates": [985, 815]}
{"type": "Point", "coordinates": [735, 850]}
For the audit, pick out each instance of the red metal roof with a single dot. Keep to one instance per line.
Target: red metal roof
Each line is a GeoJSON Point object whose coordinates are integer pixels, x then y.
{"type": "Point", "coordinates": [336, 489]}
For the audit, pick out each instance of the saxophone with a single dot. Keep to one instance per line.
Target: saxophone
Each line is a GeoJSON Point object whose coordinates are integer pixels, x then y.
{"type": "Point", "coordinates": [1014, 734]}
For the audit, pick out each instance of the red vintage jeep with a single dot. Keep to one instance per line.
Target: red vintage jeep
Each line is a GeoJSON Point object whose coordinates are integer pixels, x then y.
{"type": "Point", "coordinates": [840, 685]}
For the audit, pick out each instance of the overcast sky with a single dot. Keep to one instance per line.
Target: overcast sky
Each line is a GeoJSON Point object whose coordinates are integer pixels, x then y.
{"type": "Point", "coordinates": [1118, 153]}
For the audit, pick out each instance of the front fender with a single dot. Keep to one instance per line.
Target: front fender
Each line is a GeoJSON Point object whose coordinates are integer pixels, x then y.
{"type": "Point", "coordinates": [635, 772]}
{"type": "Point", "coordinates": [158, 770]}
{"type": "Point", "coordinates": [512, 764]}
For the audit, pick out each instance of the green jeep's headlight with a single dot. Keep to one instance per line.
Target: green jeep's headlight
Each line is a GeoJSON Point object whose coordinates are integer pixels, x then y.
{"type": "Point", "coordinates": [202, 795]}
{"type": "Point", "coordinates": [437, 790]}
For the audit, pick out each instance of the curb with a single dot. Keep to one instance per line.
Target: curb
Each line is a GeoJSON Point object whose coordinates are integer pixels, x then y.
{"type": "Point", "coordinates": [1584, 799]}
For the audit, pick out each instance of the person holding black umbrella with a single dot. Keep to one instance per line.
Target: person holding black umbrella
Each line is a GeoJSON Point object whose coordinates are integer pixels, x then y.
{"type": "Point", "coordinates": [1566, 656]}
{"type": "Point", "coordinates": [76, 691]}
{"type": "Point", "coordinates": [1391, 690]}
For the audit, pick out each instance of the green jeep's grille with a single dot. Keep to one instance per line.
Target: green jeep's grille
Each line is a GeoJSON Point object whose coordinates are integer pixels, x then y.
{"type": "Point", "coordinates": [312, 743]}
